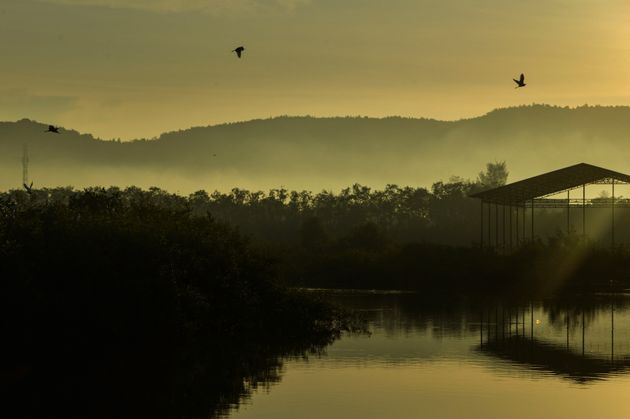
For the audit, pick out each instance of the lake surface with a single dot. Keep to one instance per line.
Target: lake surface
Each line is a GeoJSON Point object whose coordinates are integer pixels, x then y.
{"type": "Point", "coordinates": [432, 360]}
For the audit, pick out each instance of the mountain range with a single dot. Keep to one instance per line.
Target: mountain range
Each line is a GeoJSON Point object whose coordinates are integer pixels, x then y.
{"type": "Point", "coordinates": [322, 153]}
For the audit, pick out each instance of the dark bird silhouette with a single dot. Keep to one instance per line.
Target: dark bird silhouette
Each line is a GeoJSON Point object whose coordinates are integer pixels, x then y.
{"type": "Point", "coordinates": [29, 188]}
{"type": "Point", "coordinates": [52, 128]}
{"type": "Point", "coordinates": [239, 51]}
{"type": "Point", "coordinates": [520, 82]}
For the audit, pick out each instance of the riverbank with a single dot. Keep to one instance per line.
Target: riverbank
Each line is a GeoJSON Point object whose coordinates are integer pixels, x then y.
{"type": "Point", "coordinates": [566, 266]}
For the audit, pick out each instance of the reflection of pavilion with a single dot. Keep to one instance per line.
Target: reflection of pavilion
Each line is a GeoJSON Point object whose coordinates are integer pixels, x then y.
{"type": "Point", "coordinates": [544, 357]}
{"type": "Point", "coordinates": [508, 336]}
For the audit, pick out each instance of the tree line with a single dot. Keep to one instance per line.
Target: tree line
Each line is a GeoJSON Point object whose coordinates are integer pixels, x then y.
{"type": "Point", "coordinates": [442, 214]}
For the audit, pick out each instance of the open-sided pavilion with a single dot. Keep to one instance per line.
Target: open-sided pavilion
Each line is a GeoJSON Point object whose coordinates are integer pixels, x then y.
{"type": "Point", "coordinates": [514, 200]}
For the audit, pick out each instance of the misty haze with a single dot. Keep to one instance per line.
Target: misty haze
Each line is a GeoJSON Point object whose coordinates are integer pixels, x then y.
{"type": "Point", "coordinates": [280, 209]}
{"type": "Point", "coordinates": [306, 153]}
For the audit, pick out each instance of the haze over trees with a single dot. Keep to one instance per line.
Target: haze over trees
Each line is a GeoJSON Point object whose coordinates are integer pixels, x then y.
{"type": "Point", "coordinates": [322, 153]}
{"type": "Point", "coordinates": [443, 213]}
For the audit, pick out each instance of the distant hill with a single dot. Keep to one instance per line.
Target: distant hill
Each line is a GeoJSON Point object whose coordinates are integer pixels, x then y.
{"type": "Point", "coordinates": [318, 153]}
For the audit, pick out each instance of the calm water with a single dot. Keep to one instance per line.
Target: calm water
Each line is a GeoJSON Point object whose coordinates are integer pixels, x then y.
{"type": "Point", "coordinates": [467, 362]}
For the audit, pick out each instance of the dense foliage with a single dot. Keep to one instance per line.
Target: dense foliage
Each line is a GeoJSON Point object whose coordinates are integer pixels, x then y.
{"type": "Point", "coordinates": [399, 237]}
{"type": "Point", "coordinates": [114, 300]}
{"type": "Point", "coordinates": [445, 214]}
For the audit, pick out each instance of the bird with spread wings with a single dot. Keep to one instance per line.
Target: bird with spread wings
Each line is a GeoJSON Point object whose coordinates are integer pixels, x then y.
{"type": "Point", "coordinates": [520, 82]}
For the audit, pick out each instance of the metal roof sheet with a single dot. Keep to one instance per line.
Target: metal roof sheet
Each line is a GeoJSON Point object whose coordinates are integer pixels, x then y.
{"type": "Point", "coordinates": [550, 183]}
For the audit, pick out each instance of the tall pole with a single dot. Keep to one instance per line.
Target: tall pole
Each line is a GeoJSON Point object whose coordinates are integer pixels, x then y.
{"type": "Point", "coordinates": [509, 322]}
{"type": "Point", "coordinates": [503, 323]}
{"type": "Point", "coordinates": [25, 165]}
{"type": "Point", "coordinates": [481, 330]}
{"type": "Point", "coordinates": [503, 224]}
{"type": "Point", "coordinates": [517, 235]}
{"type": "Point", "coordinates": [496, 224]}
{"type": "Point", "coordinates": [489, 226]}
{"type": "Point", "coordinates": [583, 327]}
{"type": "Point", "coordinates": [532, 220]}
{"type": "Point", "coordinates": [532, 321]}
{"type": "Point", "coordinates": [584, 210]}
{"type": "Point", "coordinates": [612, 331]}
{"type": "Point", "coordinates": [496, 323]}
{"type": "Point", "coordinates": [567, 330]}
{"type": "Point", "coordinates": [511, 211]}
{"type": "Point", "coordinates": [481, 227]}
{"type": "Point", "coordinates": [568, 212]}
{"type": "Point", "coordinates": [613, 214]}
{"type": "Point", "coordinates": [524, 220]}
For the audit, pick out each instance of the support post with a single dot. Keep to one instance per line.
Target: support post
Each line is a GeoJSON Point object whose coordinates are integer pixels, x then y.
{"type": "Point", "coordinates": [502, 323]}
{"type": "Point", "coordinates": [517, 235]}
{"type": "Point", "coordinates": [503, 225]}
{"type": "Point", "coordinates": [532, 321]}
{"type": "Point", "coordinates": [481, 227]}
{"type": "Point", "coordinates": [612, 331]}
{"type": "Point", "coordinates": [567, 329]}
{"type": "Point", "coordinates": [584, 210]}
{"type": "Point", "coordinates": [496, 225]}
{"type": "Point", "coordinates": [568, 212]}
{"type": "Point", "coordinates": [496, 323]}
{"type": "Point", "coordinates": [481, 330]}
{"type": "Point", "coordinates": [524, 221]}
{"type": "Point", "coordinates": [489, 225]}
{"type": "Point", "coordinates": [532, 220]}
{"type": "Point", "coordinates": [613, 214]}
{"type": "Point", "coordinates": [510, 221]}
{"type": "Point", "coordinates": [583, 327]}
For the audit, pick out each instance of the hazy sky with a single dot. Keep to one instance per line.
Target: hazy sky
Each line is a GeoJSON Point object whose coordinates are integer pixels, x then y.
{"type": "Point", "coordinates": [136, 68]}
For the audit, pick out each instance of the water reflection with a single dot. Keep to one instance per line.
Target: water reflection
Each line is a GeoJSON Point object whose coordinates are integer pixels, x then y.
{"type": "Point", "coordinates": [424, 358]}
{"type": "Point", "coordinates": [200, 381]}
{"type": "Point", "coordinates": [542, 356]}
{"type": "Point", "coordinates": [587, 353]}
{"type": "Point", "coordinates": [448, 358]}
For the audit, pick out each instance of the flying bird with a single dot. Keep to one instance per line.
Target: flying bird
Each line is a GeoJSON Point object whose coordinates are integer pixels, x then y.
{"type": "Point", "coordinates": [239, 51]}
{"type": "Point", "coordinates": [520, 82]}
{"type": "Point", "coordinates": [52, 128]}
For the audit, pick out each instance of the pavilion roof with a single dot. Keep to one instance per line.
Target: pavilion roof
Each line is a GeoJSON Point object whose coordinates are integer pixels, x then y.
{"type": "Point", "coordinates": [551, 183]}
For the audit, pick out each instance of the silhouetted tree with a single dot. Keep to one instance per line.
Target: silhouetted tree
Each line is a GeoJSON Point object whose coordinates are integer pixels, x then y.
{"type": "Point", "coordinates": [313, 235]}
{"type": "Point", "coordinates": [496, 175]}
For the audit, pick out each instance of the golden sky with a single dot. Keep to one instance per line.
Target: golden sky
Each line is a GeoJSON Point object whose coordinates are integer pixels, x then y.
{"type": "Point", "coordinates": [136, 68]}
